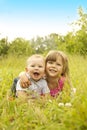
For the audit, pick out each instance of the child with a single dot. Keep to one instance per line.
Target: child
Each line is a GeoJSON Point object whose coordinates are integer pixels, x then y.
{"type": "Point", "coordinates": [35, 71]}
{"type": "Point", "coordinates": [57, 71]}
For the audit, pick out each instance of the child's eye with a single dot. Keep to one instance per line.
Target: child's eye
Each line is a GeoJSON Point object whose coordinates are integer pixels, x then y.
{"type": "Point", "coordinates": [40, 66]}
{"type": "Point", "coordinates": [58, 64]}
{"type": "Point", "coordinates": [50, 62]}
{"type": "Point", "coordinates": [32, 65]}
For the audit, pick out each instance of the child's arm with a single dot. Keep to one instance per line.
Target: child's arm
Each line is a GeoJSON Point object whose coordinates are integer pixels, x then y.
{"type": "Point", "coordinates": [24, 80]}
{"type": "Point", "coordinates": [21, 92]}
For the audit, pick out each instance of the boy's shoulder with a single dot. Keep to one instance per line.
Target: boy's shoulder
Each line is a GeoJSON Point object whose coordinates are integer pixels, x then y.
{"type": "Point", "coordinates": [42, 80]}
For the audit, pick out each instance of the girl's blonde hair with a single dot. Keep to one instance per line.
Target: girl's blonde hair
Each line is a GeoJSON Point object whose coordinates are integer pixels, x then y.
{"type": "Point", "coordinates": [53, 55]}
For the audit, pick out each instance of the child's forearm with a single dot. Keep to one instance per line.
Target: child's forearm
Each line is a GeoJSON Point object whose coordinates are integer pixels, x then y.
{"type": "Point", "coordinates": [24, 81]}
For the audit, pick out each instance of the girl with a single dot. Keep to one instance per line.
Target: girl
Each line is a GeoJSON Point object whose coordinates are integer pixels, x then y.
{"type": "Point", "coordinates": [57, 71]}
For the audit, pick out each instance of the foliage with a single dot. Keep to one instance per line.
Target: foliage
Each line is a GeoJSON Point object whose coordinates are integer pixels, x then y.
{"type": "Point", "coordinates": [81, 34]}
{"type": "Point", "coordinates": [74, 42]}
{"type": "Point", "coordinates": [20, 46]}
{"type": "Point", "coordinates": [4, 46]}
{"type": "Point", "coordinates": [43, 114]}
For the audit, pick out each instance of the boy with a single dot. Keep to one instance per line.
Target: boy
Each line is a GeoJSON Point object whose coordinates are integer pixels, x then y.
{"type": "Point", "coordinates": [35, 71]}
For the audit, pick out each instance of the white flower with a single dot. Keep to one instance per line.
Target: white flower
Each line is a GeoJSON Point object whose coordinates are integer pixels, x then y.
{"type": "Point", "coordinates": [74, 90]}
{"type": "Point", "coordinates": [50, 101]}
{"type": "Point", "coordinates": [68, 104]}
{"type": "Point", "coordinates": [61, 104]}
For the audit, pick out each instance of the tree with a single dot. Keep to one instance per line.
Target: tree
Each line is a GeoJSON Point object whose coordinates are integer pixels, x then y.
{"type": "Point", "coordinates": [4, 46]}
{"type": "Point", "coordinates": [20, 46]}
{"type": "Point", "coordinates": [81, 34]}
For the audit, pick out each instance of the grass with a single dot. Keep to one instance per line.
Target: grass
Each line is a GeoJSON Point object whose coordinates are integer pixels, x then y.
{"type": "Point", "coordinates": [39, 114]}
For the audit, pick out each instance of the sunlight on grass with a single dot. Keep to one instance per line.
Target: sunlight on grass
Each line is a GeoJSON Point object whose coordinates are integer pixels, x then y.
{"type": "Point", "coordinates": [39, 114]}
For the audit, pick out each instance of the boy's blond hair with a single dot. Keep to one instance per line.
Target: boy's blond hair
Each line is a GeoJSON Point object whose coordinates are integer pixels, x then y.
{"type": "Point", "coordinates": [35, 56]}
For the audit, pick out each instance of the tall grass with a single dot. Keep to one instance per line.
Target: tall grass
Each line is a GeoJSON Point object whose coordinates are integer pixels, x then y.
{"type": "Point", "coordinates": [39, 114]}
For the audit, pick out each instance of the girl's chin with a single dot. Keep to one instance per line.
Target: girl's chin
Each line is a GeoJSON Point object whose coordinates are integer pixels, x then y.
{"type": "Point", "coordinates": [53, 75]}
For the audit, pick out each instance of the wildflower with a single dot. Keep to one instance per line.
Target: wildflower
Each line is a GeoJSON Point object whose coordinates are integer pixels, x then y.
{"type": "Point", "coordinates": [68, 104]}
{"type": "Point", "coordinates": [61, 104]}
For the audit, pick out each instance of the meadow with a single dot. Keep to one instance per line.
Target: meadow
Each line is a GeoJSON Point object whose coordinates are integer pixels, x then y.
{"type": "Point", "coordinates": [39, 114]}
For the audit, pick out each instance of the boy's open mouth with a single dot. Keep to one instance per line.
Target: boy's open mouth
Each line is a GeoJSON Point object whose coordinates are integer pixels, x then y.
{"type": "Point", "coordinates": [36, 73]}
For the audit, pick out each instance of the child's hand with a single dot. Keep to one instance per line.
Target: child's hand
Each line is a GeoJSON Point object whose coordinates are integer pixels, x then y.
{"type": "Point", "coordinates": [24, 81]}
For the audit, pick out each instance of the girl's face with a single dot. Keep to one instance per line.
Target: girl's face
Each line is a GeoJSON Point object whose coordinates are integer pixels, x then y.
{"type": "Point", "coordinates": [54, 68]}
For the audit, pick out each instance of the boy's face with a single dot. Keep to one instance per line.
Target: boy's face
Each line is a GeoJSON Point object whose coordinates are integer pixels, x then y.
{"type": "Point", "coordinates": [36, 68]}
{"type": "Point", "coordinates": [54, 68]}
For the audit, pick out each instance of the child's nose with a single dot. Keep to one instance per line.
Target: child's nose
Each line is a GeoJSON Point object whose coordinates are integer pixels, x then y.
{"type": "Point", "coordinates": [53, 64]}
{"type": "Point", "coordinates": [36, 67]}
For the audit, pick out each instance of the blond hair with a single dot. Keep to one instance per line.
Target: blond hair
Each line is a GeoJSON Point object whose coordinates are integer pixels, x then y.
{"type": "Point", "coordinates": [53, 55]}
{"type": "Point", "coordinates": [35, 56]}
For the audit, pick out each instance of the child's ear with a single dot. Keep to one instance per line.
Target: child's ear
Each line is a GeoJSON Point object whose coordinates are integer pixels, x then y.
{"type": "Point", "coordinates": [26, 69]}
{"type": "Point", "coordinates": [22, 73]}
{"type": "Point", "coordinates": [44, 76]}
